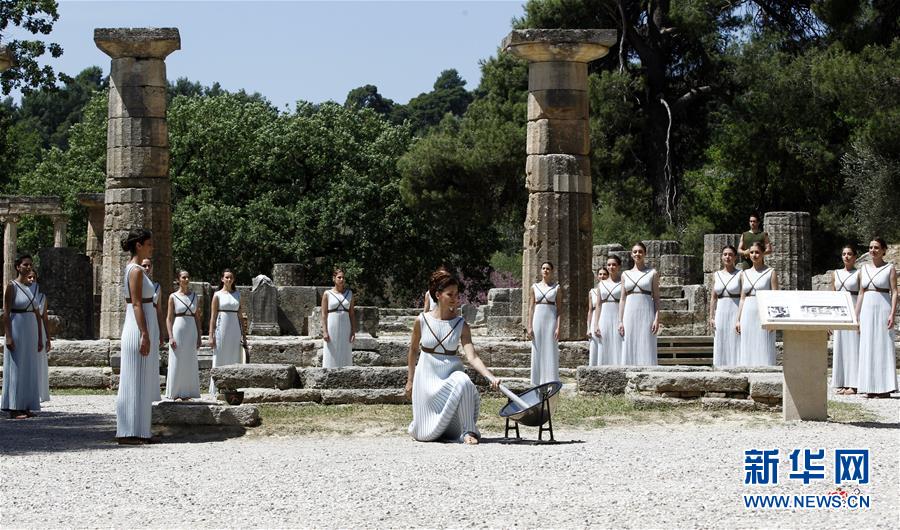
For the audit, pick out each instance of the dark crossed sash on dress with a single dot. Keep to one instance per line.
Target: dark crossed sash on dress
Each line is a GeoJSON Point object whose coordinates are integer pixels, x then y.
{"type": "Point", "coordinates": [440, 342]}
{"type": "Point", "coordinates": [343, 303]}
{"type": "Point", "coordinates": [870, 284]}
{"type": "Point", "coordinates": [609, 297]}
{"type": "Point", "coordinates": [725, 292]}
{"type": "Point", "coordinates": [841, 287]}
{"type": "Point", "coordinates": [31, 307]}
{"type": "Point", "coordinates": [188, 312]}
{"type": "Point", "coordinates": [637, 288]}
{"type": "Point", "coordinates": [752, 291]}
{"type": "Point", "coordinates": [155, 291]}
{"type": "Point", "coordinates": [545, 294]}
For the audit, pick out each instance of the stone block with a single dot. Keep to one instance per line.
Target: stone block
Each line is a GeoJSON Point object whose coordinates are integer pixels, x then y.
{"type": "Point", "coordinates": [557, 75]}
{"type": "Point", "coordinates": [712, 249]}
{"type": "Point", "coordinates": [791, 238]}
{"type": "Point", "coordinates": [558, 172]}
{"type": "Point", "coordinates": [558, 137]}
{"type": "Point", "coordinates": [823, 282]}
{"type": "Point", "coordinates": [137, 72]}
{"type": "Point", "coordinates": [768, 386]}
{"type": "Point", "coordinates": [137, 162]}
{"type": "Point", "coordinates": [579, 45]}
{"type": "Point", "coordinates": [625, 256]}
{"type": "Point", "coordinates": [673, 304]}
{"type": "Point", "coordinates": [365, 396]}
{"type": "Point", "coordinates": [137, 102]}
{"type": "Point", "coordinates": [67, 281]}
{"type": "Point", "coordinates": [602, 380]}
{"type": "Point", "coordinates": [264, 309]}
{"type": "Point", "coordinates": [80, 377]}
{"type": "Point", "coordinates": [204, 413]}
{"type": "Point", "coordinates": [469, 313]}
{"type": "Point", "coordinates": [137, 132]}
{"type": "Point", "coordinates": [234, 376]}
{"type": "Point", "coordinates": [656, 248]}
{"type": "Point", "coordinates": [675, 269]}
{"type": "Point", "coordinates": [353, 377]}
{"type": "Point", "coordinates": [154, 43]}
{"type": "Point", "coordinates": [294, 306]}
{"type": "Point", "coordinates": [504, 326]}
{"type": "Point", "coordinates": [79, 353]}
{"type": "Point", "coordinates": [368, 319]}
{"type": "Point", "coordinates": [560, 104]}
{"type": "Point", "coordinates": [686, 382]}
{"type": "Point", "coordinates": [676, 322]}
{"type": "Point", "coordinates": [289, 274]}
{"type": "Point", "coordinates": [723, 403]}
{"type": "Point", "coordinates": [293, 350]}
{"type": "Point", "coordinates": [290, 395]}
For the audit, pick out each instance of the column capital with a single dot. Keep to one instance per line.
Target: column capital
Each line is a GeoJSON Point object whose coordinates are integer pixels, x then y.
{"type": "Point", "coordinates": [6, 60]}
{"type": "Point", "coordinates": [142, 43]}
{"type": "Point", "coordinates": [59, 218]}
{"type": "Point", "coordinates": [10, 219]}
{"type": "Point", "coordinates": [574, 45]}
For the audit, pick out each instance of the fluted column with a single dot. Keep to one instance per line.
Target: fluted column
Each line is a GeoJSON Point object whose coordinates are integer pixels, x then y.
{"type": "Point", "coordinates": [10, 247]}
{"type": "Point", "coordinates": [557, 168]}
{"type": "Point", "coordinates": [138, 190]}
{"type": "Point", "coordinates": [60, 223]}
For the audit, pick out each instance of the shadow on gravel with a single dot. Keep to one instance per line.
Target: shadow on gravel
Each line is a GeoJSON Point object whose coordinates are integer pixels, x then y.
{"type": "Point", "coordinates": [525, 441]}
{"type": "Point", "coordinates": [50, 432]}
{"type": "Point", "coordinates": [873, 425]}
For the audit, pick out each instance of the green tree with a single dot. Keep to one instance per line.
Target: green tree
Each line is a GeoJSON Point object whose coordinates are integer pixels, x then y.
{"type": "Point", "coordinates": [52, 111]}
{"type": "Point", "coordinates": [367, 97]}
{"type": "Point", "coordinates": [449, 96]}
{"type": "Point", "coordinates": [36, 17]}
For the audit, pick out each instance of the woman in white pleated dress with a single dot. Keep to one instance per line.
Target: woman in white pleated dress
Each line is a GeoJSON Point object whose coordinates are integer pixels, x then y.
{"type": "Point", "coordinates": [138, 383]}
{"type": "Point", "coordinates": [543, 327]}
{"type": "Point", "coordinates": [595, 349]}
{"type": "Point", "coordinates": [724, 302]}
{"type": "Point", "coordinates": [757, 344]}
{"type": "Point", "coordinates": [445, 400]}
{"type": "Point", "coordinates": [845, 358]}
{"type": "Point", "coordinates": [339, 318]}
{"type": "Point", "coordinates": [147, 264]}
{"type": "Point", "coordinates": [183, 377]}
{"type": "Point", "coordinates": [876, 306]}
{"type": "Point", "coordinates": [606, 319]}
{"type": "Point", "coordinates": [639, 311]}
{"type": "Point", "coordinates": [24, 339]}
{"type": "Point", "coordinates": [226, 332]}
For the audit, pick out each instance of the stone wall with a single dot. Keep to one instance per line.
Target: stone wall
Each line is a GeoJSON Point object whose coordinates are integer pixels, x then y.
{"type": "Point", "coordinates": [501, 315]}
{"type": "Point", "coordinates": [66, 278]}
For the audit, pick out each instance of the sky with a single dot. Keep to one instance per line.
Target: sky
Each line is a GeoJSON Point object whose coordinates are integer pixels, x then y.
{"type": "Point", "coordinates": [301, 50]}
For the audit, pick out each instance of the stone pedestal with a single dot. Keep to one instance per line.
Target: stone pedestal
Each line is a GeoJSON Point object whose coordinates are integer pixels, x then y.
{"type": "Point", "coordinates": [791, 255]}
{"type": "Point", "coordinates": [656, 248]}
{"type": "Point", "coordinates": [288, 274]}
{"type": "Point", "coordinates": [558, 178]}
{"type": "Point", "coordinates": [138, 191]}
{"type": "Point", "coordinates": [675, 269]}
{"type": "Point", "coordinates": [264, 310]}
{"type": "Point", "coordinates": [805, 395]}
{"type": "Point", "coordinates": [67, 282]}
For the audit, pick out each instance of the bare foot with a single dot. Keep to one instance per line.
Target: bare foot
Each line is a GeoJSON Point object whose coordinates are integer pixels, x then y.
{"type": "Point", "coordinates": [470, 439]}
{"type": "Point", "coordinates": [850, 392]}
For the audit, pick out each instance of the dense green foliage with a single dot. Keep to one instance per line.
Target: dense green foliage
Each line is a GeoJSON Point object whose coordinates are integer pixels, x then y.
{"type": "Point", "coordinates": [28, 16]}
{"type": "Point", "coordinates": [704, 111]}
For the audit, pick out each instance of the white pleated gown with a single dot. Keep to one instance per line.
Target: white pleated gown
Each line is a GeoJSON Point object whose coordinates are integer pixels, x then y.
{"type": "Point", "coordinates": [155, 368]}
{"type": "Point", "coordinates": [43, 367]}
{"type": "Point", "coordinates": [877, 372]}
{"type": "Point", "coordinates": [183, 377]}
{"type": "Point", "coordinates": [138, 383]}
{"type": "Point", "coordinates": [726, 341]}
{"type": "Point", "coordinates": [21, 366]}
{"type": "Point", "coordinates": [338, 352]}
{"type": "Point", "coordinates": [757, 344]}
{"type": "Point", "coordinates": [594, 346]}
{"type": "Point", "coordinates": [445, 401]}
{"type": "Point", "coordinates": [640, 342]}
{"type": "Point", "coordinates": [611, 343]}
{"type": "Point", "coordinates": [544, 347]}
{"type": "Point", "coordinates": [845, 358]}
{"type": "Point", "coordinates": [228, 332]}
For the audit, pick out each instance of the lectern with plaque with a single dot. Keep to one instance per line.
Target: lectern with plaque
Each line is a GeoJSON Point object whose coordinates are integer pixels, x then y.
{"type": "Point", "coordinates": [805, 317]}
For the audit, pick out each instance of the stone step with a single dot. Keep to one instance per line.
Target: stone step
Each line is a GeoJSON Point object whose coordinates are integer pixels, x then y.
{"type": "Point", "coordinates": [673, 304]}
{"type": "Point", "coordinates": [670, 291]}
{"type": "Point", "coordinates": [392, 312]}
{"type": "Point", "coordinates": [171, 413]}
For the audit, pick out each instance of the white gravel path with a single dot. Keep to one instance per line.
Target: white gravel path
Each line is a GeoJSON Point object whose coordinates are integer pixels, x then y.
{"type": "Point", "coordinates": [62, 469]}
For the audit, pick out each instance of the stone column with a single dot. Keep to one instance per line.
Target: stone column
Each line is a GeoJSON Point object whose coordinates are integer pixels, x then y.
{"type": "Point", "coordinates": [138, 190]}
{"type": "Point", "coordinates": [791, 256]}
{"type": "Point", "coordinates": [59, 231]}
{"type": "Point", "coordinates": [557, 169]}
{"type": "Point", "coordinates": [10, 247]}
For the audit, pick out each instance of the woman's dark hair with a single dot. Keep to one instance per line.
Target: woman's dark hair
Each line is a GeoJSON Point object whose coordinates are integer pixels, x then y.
{"type": "Point", "coordinates": [134, 237]}
{"type": "Point", "coordinates": [336, 270]}
{"type": "Point", "coordinates": [760, 245]}
{"type": "Point", "coordinates": [727, 247]}
{"type": "Point", "coordinates": [615, 258]}
{"type": "Point", "coordinates": [440, 280]}
{"type": "Point", "coordinates": [234, 283]}
{"type": "Point", "coordinates": [851, 247]}
{"type": "Point", "coordinates": [881, 242]}
{"type": "Point", "coordinates": [754, 214]}
{"type": "Point", "coordinates": [180, 272]}
{"type": "Point", "coordinates": [640, 244]}
{"type": "Point", "coordinates": [22, 257]}
{"type": "Point", "coordinates": [604, 269]}
{"type": "Point", "coordinates": [548, 263]}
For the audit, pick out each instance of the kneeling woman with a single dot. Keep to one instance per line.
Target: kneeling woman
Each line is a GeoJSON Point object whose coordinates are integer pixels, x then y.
{"type": "Point", "coordinates": [445, 401]}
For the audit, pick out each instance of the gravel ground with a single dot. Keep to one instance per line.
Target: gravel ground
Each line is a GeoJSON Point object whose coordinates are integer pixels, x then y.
{"type": "Point", "coordinates": [62, 469]}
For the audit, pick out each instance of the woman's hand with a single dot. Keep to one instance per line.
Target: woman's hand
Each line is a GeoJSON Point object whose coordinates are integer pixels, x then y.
{"type": "Point", "coordinates": [597, 333]}
{"type": "Point", "coordinates": [495, 383]}
{"type": "Point", "coordinates": [654, 327]}
{"type": "Point", "coordinates": [409, 387]}
{"type": "Point", "coordinates": [352, 337]}
{"type": "Point", "coordinates": [556, 333]}
{"type": "Point", "coordinates": [10, 344]}
{"type": "Point", "coordinates": [145, 344]}
{"type": "Point", "coordinates": [737, 328]}
{"type": "Point", "coordinates": [621, 329]}
{"type": "Point", "coordinates": [325, 336]}
{"type": "Point", "coordinates": [712, 324]}
{"type": "Point", "coordinates": [891, 322]}
{"type": "Point", "coordinates": [173, 344]}
{"type": "Point", "coordinates": [212, 341]}
{"type": "Point", "coordinates": [47, 345]}
{"type": "Point", "coordinates": [530, 334]}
